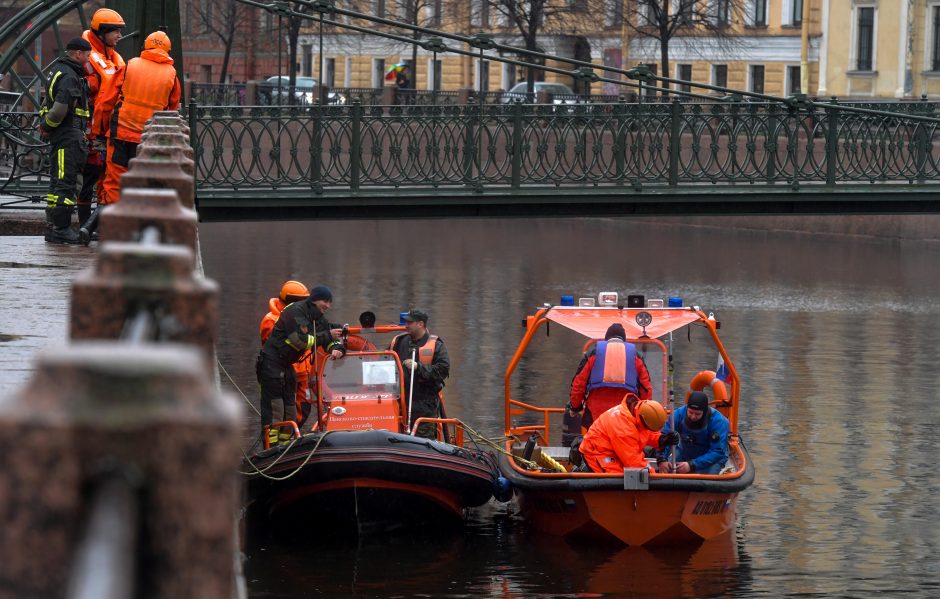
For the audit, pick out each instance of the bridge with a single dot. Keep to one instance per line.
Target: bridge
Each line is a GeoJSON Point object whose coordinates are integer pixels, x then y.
{"type": "Point", "coordinates": [695, 153]}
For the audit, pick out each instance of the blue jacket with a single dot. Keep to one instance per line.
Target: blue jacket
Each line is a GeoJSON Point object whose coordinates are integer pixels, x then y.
{"type": "Point", "coordinates": [702, 447]}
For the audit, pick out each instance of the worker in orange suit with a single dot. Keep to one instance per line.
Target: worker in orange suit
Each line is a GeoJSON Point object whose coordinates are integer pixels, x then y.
{"type": "Point", "coordinates": [291, 291]}
{"type": "Point", "coordinates": [618, 436]}
{"type": "Point", "coordinates": [102, 66]}
{"type": "Point", "coordinates": [147, 84]}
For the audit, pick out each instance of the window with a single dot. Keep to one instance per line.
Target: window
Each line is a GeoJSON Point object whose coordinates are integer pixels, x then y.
{"type": "Point", "coordinates": [794, 80]}
{"type": "Point", "coordinates": [796, 12]}
{"type": "Point", "coordinates": [380, 8]}
{"type": "Point", "coordinates": [722, 12]}
{"type": "Point", "coordinates": [866, 38]}
{"type": "Point", "coordinates": [435, 70]}
{"type": "Point", "coordinates": [683, 11]}
{"type": "Point", "coordinates": [758, 9]}
{"type": "Point", "coordinates": [378, 72]}
{"type": "Point", "coordinates": [329, 72]}
{"type": "Point", "coordinates": [205, 15]}
{"type": "Point", "coordinates": [436, 7]}
{"type": "Point", "coordinates": [306, 60]}
{"type": "Point", "coordinates": [480, 13]}
{"type": "Point", "coordinates": [613, 13]}
{"type": "Point", "coordinates": [206, 70]}
{"type": "Point", "coordinates": [720, 75]}
{"type": "Point", "coordinates": [509, 75]}
{"type": "Point", "coordinates": [935, 53]}
{"type": "Point", "coordinates": [757, 78]}
{"type": "Point", "coordinates": [684, 73]}
{"type": "Point", "coordinates": [577, 5]}
{"type": "Point", "coordinates": [482, 75]}
{"type": "Point", "coordinates": [646, 13]}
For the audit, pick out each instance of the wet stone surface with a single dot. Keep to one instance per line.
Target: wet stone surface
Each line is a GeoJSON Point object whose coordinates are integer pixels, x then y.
{"type": "Point", "coordinates": [35, 279]}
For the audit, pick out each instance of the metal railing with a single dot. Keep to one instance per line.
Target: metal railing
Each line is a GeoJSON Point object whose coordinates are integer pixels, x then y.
{"type": "Point", "coordinates": [629, 145]}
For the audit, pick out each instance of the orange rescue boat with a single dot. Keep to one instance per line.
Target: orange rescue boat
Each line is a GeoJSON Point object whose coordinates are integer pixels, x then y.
{"type": "Point", "coordinates": [641, 506]}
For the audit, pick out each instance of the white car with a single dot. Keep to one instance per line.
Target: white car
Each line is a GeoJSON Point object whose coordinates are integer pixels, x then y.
{"type": "Point", "coordinates": [303, 91]}
{"type": "Point", "coordinates": [561, 93]}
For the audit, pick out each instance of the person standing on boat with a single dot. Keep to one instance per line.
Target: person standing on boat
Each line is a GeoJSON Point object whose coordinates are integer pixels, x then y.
{"type": "Point", "coordinates": [605, 373]}
{"type": "Point", "coordinates": [291, 291]}
{"type": "Point", "coordinates": [301, 328]}
{"type": "Point", "coordinates": [431, 367]}
{"type": "Point", "coordinates": [703, 437]}
{"type": "Point", "coordinates": [618, 436]}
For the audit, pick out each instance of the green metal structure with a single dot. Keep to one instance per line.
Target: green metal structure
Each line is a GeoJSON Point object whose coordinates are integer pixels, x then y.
{"type": "Point", "coordinates": [697, 152]}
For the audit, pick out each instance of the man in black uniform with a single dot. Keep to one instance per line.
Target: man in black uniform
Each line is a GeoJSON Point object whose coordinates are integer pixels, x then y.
{"type": "Point", "coordinates": [301, 326]}
{"type": "Point", "coordinates": [431, 366]}
{"type": "Point", "coordinates": [63, 118]}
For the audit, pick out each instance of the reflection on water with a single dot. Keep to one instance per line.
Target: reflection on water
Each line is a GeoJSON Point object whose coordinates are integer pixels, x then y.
{"type": "Point", "coordinates": [835, 340]}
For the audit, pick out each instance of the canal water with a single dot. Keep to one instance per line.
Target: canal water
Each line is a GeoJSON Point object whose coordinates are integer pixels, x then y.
{"type": "Point", "coordinates": [835, 339]}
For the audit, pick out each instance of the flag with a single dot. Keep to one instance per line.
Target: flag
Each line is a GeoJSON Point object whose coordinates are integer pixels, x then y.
{"type": "Point", "coordinates": [721, 372]}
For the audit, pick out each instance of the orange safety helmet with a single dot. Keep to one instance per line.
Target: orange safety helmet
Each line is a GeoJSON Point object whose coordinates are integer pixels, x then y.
{"type": "Point", "coordinates": [651, 414]}
{"type": "Point", "coordinates": [157, 39]}
{"type": "Point", "coordinates": [293, 291]}
{"type": "Point", "coordinates": [108, 18]}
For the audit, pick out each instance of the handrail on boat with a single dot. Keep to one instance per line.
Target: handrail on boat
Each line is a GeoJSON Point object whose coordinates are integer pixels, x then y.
{"type": "Point", "coordinates": [295, 433]}
{"type": "Point", "coordinates": [442, 422]}
{"type": "Point", "coordinates": [533, 428]}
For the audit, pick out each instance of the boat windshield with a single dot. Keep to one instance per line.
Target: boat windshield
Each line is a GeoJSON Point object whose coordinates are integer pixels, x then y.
{"type": "Point", "coordinates": [363, 376]}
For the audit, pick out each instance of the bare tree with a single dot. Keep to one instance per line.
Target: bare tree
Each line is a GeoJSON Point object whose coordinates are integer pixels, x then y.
{"type": "Point", "coordinates": [224, 19]}
{"type": "Point", "coordinates": [664, 20]}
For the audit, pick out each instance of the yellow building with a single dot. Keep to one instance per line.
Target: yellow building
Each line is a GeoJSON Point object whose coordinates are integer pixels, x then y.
{"type": "Point", "coordinates": [880, 48]}
{"type": "Point", "coordinates": [758, 49]}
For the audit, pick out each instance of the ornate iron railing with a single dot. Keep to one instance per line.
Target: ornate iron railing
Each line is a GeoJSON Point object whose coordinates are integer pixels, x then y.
{"type": "Point", "coordinates": [518, 145]}
{"type": "Point", "coordinates": [24, 157]}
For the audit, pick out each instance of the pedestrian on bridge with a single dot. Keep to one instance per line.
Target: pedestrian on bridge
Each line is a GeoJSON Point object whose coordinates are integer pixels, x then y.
{"type": "Point", "coordinates": [103, 64]}
{"type": "Point", "coordinates": [147, 84]}
{"type": "Point", "coordinates": [63, 119]}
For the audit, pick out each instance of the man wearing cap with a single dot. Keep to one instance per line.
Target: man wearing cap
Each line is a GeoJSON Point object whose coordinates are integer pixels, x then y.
{"type": "Point", "coordinates": [703, 437]}
{"type": "Point", "coordinates": [431, 366]}
{"type": "Point", "coordinates": [300, 328]}
{"type": "Point", "coordinates": [611, 369]}
{"type": "Point", "coordinates": [619, 436]}
{"type": "Point", "coordinates": [63, 118]}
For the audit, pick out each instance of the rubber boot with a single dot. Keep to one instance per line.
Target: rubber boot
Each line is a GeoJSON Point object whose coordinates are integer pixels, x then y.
{"type": "Point", "coordinates": [272, 436]}
{"type": "Point", "coordinates": [284, 437]}
{"type": "Point", "coordinates": [49, 226]}
{"type": "Point", "coordinates": [88, 232]}
{"type": "Point", "coordinates": [62, 226]}
{"type": "Point", "coordinates": [84, 211]}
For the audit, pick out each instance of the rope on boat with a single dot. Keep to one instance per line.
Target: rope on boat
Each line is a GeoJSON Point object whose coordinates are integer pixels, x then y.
{"type": "Point", "coordinates": [237, 388]}
{"type": "Point", "coordinates": [295, 471]}
{"type": "Point", "coordinates": [552, 463]}
{"type": "Point", "coordinates": [475, 436]}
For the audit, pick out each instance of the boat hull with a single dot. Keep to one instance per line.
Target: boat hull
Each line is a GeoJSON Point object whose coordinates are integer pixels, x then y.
{"type": "Point", "coordinates": [671, 511]}
{"type": "Point", "coordinates": [368, 480]}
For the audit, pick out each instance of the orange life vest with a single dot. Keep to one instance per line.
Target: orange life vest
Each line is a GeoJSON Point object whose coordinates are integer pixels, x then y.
{"type": "Point", "coordinates": [148, 86]}
{"type": "Point", "coordinates": [425, 352]}
{"type": "Point", "coordinates": [302, 367]}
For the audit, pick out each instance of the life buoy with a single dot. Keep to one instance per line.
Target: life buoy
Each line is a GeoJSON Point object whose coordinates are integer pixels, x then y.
{"type": "Point", "coordinates": [708, 378]}
{"type": "Point", "coordinates": [357, 343]}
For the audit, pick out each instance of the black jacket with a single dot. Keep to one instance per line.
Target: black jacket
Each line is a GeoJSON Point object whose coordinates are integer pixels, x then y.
{"type": "Point", "coordinates": [68, 86]}
{"type": "Point", "coordinates": [428, 379]}
{"type": "Point", "coordinates": [300, 327]}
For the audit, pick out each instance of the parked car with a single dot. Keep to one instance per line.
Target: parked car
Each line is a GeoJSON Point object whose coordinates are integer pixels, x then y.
{"type": "Point", "coordinates": [561, 93]}
{"type": "Point", "coordinates": [304, 91]}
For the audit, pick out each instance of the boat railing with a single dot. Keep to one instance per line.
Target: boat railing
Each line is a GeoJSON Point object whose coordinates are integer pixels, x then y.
{"type": "Point", "coordinates": [456, 439]}
{"type": "Point", "coordinates": [292, 425]}
{"type": "Point", "coordinates": [542, 430]}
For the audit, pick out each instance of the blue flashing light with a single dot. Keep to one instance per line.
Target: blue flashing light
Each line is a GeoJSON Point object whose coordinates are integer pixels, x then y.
{"type": "Point", "coordinates": [675, 302]}
{"type": "Point", "coordinates": [567, 300]}
{"type": "Point", "coordinates": [401, 318]}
